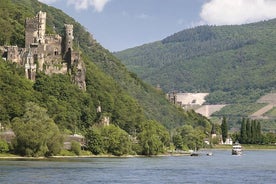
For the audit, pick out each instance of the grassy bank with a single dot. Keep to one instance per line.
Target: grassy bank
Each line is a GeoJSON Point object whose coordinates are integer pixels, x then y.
{"type": "Point", "coordinates": [3, 155]}
{"type": "Point", "coordinates": [248, 147]}
{"type": "Point", "coordinates": [259, 147]}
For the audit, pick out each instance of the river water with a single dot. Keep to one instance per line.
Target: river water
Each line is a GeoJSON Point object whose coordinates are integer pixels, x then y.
{"type": "Point", "coordinates": [252, 167]}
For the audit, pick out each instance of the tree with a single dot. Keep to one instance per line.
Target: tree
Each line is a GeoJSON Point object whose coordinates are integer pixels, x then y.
{"type": "Point", "coordinates": [108, 139]}
{"type": "Point", "coordinates": [192, 138]}
{"type": "Point", "coordinates": [248, 131]}
{"type": "Point", "coordinates": [243, 136]}
{"type": "Point", "coordinates": [36, 133]}
{"type": "Point", "coordinates": [259, 132]}
{"type": "Point", "coordinates": [178, 142]}
{"type": "Point", "coordinates": [115, 140]}
{"type": "Point", "coordinates": [224, 129]}
{"type": "Point", "coordinates": [153, 137]}
{"type": "Point", "coordinates": [75, 147]}
{"type": "Point", "coordinates": [253, 132]}
{"type": "Point", "coordinates": [94, 141]}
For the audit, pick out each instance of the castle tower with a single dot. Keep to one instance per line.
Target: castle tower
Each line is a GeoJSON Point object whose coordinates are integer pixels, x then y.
{"type": "Point", "coordinates": [35, 30]}
{"type": "Point", "coordinates": [41, 26]}
{"type": "Point", "coordinates": [68, 38]}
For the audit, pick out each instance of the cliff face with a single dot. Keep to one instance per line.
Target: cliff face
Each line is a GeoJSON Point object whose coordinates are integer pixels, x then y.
{"type": "Point", "coordinates": [78, 71]}
{"type": "Point", "coordinates": [50, 54]}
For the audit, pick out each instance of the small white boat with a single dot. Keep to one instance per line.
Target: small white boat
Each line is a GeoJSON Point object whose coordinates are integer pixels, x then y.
{"type": "Point", "coordinates": [209, 154]}
{"type": "Point", "coordinates": [236, 149]}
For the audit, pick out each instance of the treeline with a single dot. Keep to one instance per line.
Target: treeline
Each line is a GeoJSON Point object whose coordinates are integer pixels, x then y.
{"type": "Point", "coordinates": [250, 132]}
{"type": "Point", "coordinates": [38, 135]}
{"type": "Point", "coordinates": [150, 138]}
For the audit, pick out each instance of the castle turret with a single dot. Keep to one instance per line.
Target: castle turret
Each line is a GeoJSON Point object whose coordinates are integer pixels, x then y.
{"type": "Point", "coordinates": [68, 38]}
{"type": "Point", "coordinates": [41, 26]}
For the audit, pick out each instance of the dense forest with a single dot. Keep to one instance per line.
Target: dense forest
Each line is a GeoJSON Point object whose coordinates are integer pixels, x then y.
{"type": "Point", "coordinates": [235, 64]}
{"type": "Point", "coordinates": [135, 108]}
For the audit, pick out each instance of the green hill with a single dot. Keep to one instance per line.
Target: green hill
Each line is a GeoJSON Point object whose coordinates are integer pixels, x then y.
{"type": "Point", "coordinates": [123, 97]}
{"type": "Point", "coordinates": [235, 64]}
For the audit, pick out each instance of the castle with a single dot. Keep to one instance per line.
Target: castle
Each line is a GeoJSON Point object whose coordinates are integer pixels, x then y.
{"type": "Point", "coordinates": [48, 53]}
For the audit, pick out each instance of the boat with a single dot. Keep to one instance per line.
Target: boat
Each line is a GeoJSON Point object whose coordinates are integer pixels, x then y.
{"type": "Point", "coordinates": [236, 149]}
{"type": "Point", "coordinates": [194, 154]}
{"type": "Point", "coordinates": [209, 154]}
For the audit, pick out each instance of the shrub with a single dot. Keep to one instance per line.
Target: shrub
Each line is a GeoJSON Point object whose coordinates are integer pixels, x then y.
{"type": "Point", "coordinates": [75, 147]}
{"type": "Point", "coordinates": [4, 147]}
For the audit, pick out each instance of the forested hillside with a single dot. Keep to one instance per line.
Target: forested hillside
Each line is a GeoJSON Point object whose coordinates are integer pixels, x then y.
{"type": "Point", "coordinates": [236, 64]}
{"type": "Point", "coordinates": [123, 97]}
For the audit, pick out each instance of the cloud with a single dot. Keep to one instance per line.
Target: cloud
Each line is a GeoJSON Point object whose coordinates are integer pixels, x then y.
{"type": "Point", "coordinates": [143, 16]}
{"type": "Point", "coordinates": [223, 12]}
{"type": "Point", "coordinates": [48, 1]}
{"type": "Point", "coordinates": [85, 4]}
{"type": "Point", "coordinates": [82, 4]}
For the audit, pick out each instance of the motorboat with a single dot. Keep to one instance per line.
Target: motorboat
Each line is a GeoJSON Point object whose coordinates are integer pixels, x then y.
{"type": "Point", "coordinates": [236, 149]}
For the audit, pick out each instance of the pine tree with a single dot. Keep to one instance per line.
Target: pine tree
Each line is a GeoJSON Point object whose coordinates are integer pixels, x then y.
{"type": "Point", "coordinates": [243, 137]}
{"type": "Point", "coordinates": [224, 129]}
{"type": "Point", "coordinates": [259, 133]}
{"type": "Point", "coordinates": [248, 131]}
{"type": "Point", "coordinates": [253, 132]}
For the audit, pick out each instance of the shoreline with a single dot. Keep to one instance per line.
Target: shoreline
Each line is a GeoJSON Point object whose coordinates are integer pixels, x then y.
{"type": "Point", "coordinates": [202, 151]}
{"type": "Point", "coordinates": [87, 156]}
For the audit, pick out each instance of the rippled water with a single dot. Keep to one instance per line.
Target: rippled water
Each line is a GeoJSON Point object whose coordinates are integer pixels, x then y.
{"type": "Point", "coordinates": [222, 167]}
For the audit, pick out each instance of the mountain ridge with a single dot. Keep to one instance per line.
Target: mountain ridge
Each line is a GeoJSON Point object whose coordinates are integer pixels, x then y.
{"type": "Point", "coordinates": [227, 61]}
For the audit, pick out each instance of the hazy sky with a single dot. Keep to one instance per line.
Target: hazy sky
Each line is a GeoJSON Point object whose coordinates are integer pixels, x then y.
{"type": "Point", "coordinates": [122, 24]}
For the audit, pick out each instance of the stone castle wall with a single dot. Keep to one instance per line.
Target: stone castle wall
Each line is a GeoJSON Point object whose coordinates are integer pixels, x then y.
{"type": "Point", "coordinates": [47, 53]}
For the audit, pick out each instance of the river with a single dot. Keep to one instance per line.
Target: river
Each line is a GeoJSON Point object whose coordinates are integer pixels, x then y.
{"type": "Point", "coordinates": [252, 167]}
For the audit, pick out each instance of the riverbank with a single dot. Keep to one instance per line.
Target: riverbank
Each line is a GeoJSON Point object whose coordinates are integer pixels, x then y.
{"type": "Point", "coordinates": [17, 157]}
{"type": "Point", "coordinates": [7, 156]}
{"type": "Point", "coordinates": [245, 147]}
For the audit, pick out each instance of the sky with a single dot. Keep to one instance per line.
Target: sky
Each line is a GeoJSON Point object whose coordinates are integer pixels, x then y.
{"type": "Point", "coordinates": [121, 24]}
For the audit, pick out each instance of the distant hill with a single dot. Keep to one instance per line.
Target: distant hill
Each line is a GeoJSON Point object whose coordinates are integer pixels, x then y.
{"type": "Point", "coordinates": [123, 97]}
{"type": "Point", "coordinates": [235, 64]}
